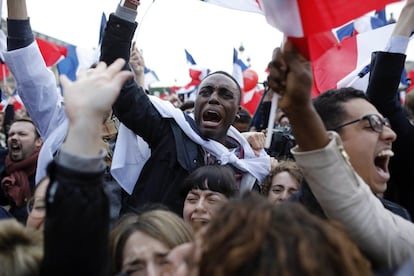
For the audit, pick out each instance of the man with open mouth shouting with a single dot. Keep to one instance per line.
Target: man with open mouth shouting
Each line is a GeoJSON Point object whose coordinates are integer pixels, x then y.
{"type": "Point", "coordinates": [18, 179]}
{"type": "Point", "coordinates": [179, 142]}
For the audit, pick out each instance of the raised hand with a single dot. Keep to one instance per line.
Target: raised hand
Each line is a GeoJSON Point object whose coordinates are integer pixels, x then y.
{"type": "Point", "coordinates": [137, 63]}
{"type": "Point", "coordinates": [290, 77]}
{"type": "Point", "coordinates": [87, 101]}
{"type": "Point", "coordinates": [405, 23]}
{"type": "Point", "coordinates": [95, 90]}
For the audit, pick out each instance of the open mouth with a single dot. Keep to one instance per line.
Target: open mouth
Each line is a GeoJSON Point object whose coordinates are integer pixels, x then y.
{"type": "Point", "coordinates": [381, 161]}
{"type": "Point", "coordinates": [211, 118]}
{"type": "Point", "coordinates": [15, 147]}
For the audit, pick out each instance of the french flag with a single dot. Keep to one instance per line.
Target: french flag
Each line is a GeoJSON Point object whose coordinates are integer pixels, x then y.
{"type": "Point", "coordinates": [346, 62]}
{"type": "Point", "coordinates": [297, 18]}
{"type": "Point", "coordinates": [247, 79]}
{"type": "Point", "coordinates": [76, 59]}
{"type": "Point", "coordinates": [51, 53]}
{"type": "Point", "coordinates": [238, 68]}
{"type": "Point", "coordinates": [81, 58]}
{"type": "Point", "coordinates": [197, 74]}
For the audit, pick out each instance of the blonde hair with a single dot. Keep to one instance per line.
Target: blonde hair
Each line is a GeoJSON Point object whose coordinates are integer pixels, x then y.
{"type": "Point", "coordinates": [21, 249]}
{"type": "Point", "coordinates": [162, 225]}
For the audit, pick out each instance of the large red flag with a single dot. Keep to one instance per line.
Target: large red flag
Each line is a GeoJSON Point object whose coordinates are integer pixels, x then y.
{"type": "Point", "coordinates": [299, 18]}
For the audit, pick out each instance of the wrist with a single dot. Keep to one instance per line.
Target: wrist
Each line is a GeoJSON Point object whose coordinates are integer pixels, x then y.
{"type": "Point", "coordinates": [131, 4]}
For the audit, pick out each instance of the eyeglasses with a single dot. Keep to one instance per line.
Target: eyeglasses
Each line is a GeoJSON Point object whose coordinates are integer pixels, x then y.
{"type": "Point", "coordinates": [376, 123]}
{"type": "Point", "coordinates": [36, 208]}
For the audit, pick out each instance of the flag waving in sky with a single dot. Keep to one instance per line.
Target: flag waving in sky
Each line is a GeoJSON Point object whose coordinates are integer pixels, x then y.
{"type": "Point", "coordinates": [298, 18]}
{"type": "Point", "coordinates": [238, 67]}
{"type": "Point", "coordinates": [79, 57]}
{"type": "Point", "coordinates": [197, 73]}
{"type": "Point", "coordinates": [357, 41]}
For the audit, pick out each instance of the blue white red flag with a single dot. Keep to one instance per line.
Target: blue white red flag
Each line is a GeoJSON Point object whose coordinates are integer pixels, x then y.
{"type": "Point", "coordinates": [197, 74]}
{"type": "Point", "coordinates": [346, 62]}
{"type": "Point", "coordinates": [77, 58]}
{"type": "Point", "coordinates": [81, 58]}
{"type": "Point", "coordinates": [238, 67]}
{"type": "Point", "coordinates": [297, 18]}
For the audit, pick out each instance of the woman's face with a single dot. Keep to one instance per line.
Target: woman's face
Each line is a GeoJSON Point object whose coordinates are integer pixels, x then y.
{"type": "Point", "coordinates": [144, 255]}
{"type": "Point", "coordinates": [283, 186]}
{"type": "Point", "coordinates": [37, 206]}
{"type": "Point", "coordinates": [200, 206]}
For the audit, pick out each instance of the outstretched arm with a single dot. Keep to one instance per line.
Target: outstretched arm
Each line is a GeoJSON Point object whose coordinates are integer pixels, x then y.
{"type": "Point", "coordinates": [35, 83]}
{"type": "Point", "coordinates": [343, 195]}
{"type": "Point", "coordinates": [383, 92]}
{"type": "Point", "coordinates": [75, 200]}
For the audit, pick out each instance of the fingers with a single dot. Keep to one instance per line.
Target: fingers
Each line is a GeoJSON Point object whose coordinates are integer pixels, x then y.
{"type": "Point", "coordinates": [291, 56]}
{"type": "Point", "coordinates": [115, 67]}
{"type": "Point", "coordinates": [122, 77]}
{"type": "Point", "coordinates": [277, 72]}
{"type": "Point", "coordinates": [288, 63]}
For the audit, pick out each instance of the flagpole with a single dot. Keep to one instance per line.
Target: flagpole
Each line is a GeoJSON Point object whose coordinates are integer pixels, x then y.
{"type": "Point", "coordinates": [271, 122]}
{"type": "Point", "coordinates": [142, 18]}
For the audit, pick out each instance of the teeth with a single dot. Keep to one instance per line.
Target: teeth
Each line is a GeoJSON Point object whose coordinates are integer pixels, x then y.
{"type": "Point", "coordinates": [386, 153]}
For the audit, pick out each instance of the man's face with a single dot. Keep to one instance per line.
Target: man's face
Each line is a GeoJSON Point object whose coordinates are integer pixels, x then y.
{"type": "Point", "coordinates": [22, 141]}
{"type": "Point", "coordinates": [216, 106]}
{"type": "Point", "coordinates": [369, 151]}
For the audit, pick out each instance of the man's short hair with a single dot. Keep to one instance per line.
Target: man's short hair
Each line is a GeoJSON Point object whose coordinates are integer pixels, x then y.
{"type": "Point", "coordinates": [29, 120]}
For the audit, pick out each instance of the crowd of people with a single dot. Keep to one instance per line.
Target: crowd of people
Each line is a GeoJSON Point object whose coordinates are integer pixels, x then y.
{"type": "Point", "coordinates": [106, 179]}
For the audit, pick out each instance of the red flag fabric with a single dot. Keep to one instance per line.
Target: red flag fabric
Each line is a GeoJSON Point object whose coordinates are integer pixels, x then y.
{"type": "Point", "coordinates": [298, 18]}
{"type": "Point", "coordinates": [345, 63]}
{"type": "Point", "coordinates": [251, 100]}
{"type": "Point", "coordinates": [4, 71]}
{"type": "Point", "coordinates": [51, 52]}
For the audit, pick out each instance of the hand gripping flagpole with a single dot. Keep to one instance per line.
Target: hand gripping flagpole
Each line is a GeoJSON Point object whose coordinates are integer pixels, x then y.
{"type": "Point", "coordinates": [271, 122]}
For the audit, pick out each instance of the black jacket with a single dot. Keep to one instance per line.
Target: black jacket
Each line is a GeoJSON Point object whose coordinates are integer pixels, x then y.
{"type": "Point", "coordinates": [77, 224]}
{"type": "Point", "coordinates": [173, 154]}
{"type": "Point", "coordinates": [386, 69]}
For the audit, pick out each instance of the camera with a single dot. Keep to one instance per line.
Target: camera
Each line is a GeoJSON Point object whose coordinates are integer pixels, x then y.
{"type": "Point", "coordinates": [282, 142]}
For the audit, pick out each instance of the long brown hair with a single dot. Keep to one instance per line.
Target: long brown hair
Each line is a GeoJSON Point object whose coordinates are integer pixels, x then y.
{"type": "Point", "coordinates": [250, 236]}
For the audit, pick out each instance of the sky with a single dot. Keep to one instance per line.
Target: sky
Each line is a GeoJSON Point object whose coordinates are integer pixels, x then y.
{"type": "Point", "coordinates": [166, 28]}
